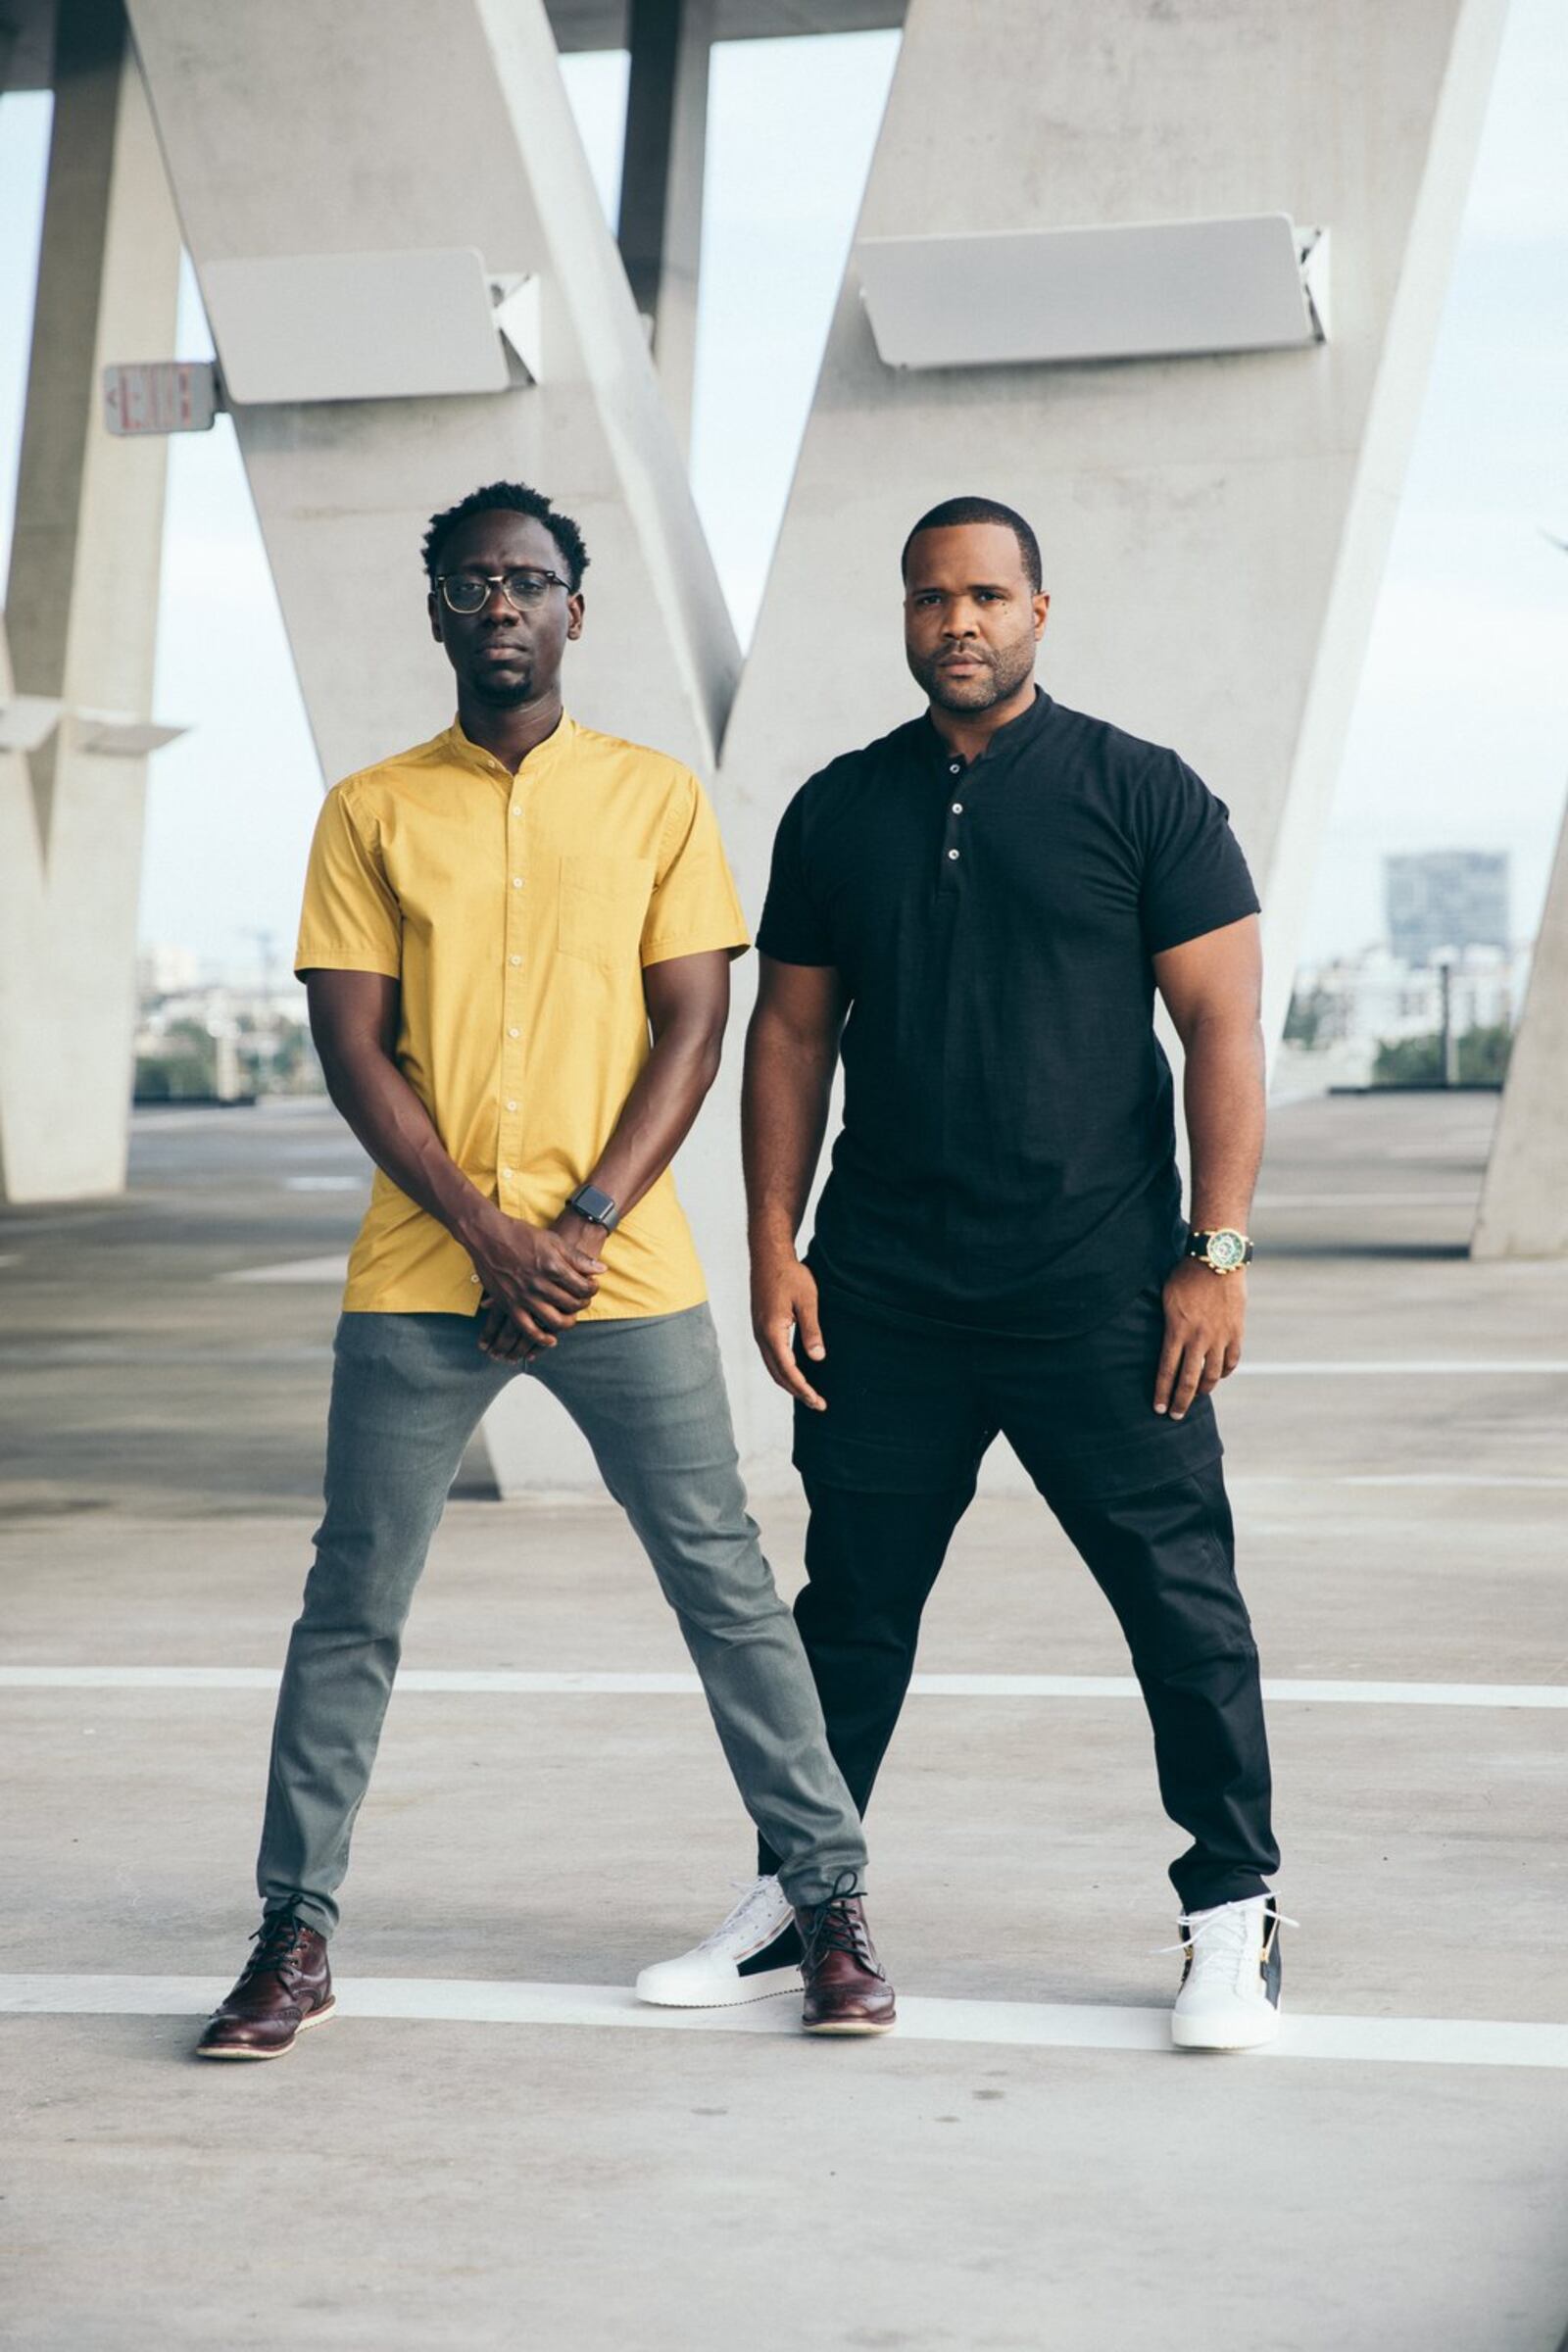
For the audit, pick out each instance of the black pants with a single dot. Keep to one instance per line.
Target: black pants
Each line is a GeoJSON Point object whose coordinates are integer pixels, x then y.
{"type": "Point", "coordinates": [889, 1471]}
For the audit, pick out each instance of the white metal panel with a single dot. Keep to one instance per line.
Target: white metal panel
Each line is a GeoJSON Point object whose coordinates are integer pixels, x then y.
{"type": "Point", "coordinates": [1148, 290]}
{"type": "Point", "coordinates": [113, 735]}
{"type": "Point", "coordinates": [314, 326]}
{"type": "Point", "coordinates": [28, 720]}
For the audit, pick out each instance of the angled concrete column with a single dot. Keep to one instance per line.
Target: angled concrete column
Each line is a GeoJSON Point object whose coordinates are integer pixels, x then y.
{"type": "Point", "coordinates": [1524, 1201]}
{"type": "Point", "coordinates": [459, 134]}
{"type": "Point", "coordinates": [660, 232]}
{"type": "Point", "coordinates": [81, 612]}
{"type": "Point", "coordinates": [1214, 529]}
{"type": "Point", "coordinates": [265, 162]}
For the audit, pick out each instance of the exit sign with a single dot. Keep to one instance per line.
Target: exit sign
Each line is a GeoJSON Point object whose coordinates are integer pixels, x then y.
{"type": "Point", "coordinates": [162, 396]}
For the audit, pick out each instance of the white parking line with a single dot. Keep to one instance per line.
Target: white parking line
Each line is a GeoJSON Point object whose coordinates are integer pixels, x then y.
{"type": "Point", "coordinates": [510, 1682]}
{"type": "Point", "coordinates": [1018, 2025]}
{"type": "Point", "coordinates": [1436, 1479]}
{"type": "Point", "coordinates": [1465, 1200]}
{"type": "Point", "coordinates": [294, 1269]}
{"type": "Point", "coordinates": [1504, 1367]}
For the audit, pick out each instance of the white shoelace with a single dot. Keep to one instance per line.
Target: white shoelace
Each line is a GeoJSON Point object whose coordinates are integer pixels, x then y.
{"type": "Point", "coordinates": [1223, 1940]}
{"type": "Point", "coordinates": [759, 1900]}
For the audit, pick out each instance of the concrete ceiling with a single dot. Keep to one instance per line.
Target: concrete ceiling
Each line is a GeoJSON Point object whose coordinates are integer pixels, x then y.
{"type": "Point", "coordinates": [26, 26]}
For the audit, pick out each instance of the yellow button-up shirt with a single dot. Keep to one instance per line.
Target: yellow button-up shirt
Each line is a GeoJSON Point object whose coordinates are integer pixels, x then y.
{"type": "Point", "coordinates": [518, 913]}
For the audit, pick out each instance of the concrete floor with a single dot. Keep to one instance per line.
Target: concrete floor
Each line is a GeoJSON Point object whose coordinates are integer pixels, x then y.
{"type": "Point", "coordinates": [444, 2182]}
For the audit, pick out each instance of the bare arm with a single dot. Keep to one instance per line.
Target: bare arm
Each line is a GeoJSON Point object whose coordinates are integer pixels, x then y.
{"type": "Point", "coordinates": [1213, 987]}
{"type": "Point", "coordinates": [545, 1282]}
{"type": "Point", "coordinates": [791, 1051]}
{"type": "Point", "coordinates": [688, 1007]}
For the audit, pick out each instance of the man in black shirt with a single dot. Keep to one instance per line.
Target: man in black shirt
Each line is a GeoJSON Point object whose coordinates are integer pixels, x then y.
{"type": "Point", "coordinates": [975, 913]}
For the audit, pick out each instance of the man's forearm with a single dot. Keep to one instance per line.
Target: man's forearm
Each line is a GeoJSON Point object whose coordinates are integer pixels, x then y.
{"type": "Point", "coordinates": [400, 1136]}
{"type": "Point", "coordinates": [658, 1115]}
{"type": "Point", "coordinates": [784, 1111]}
{"type": "Point", "coordinates": [1224, 1096]}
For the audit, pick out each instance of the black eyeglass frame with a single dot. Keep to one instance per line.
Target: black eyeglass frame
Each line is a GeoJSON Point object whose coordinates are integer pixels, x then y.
{"type": "Point", "coordinates": [498, 579]}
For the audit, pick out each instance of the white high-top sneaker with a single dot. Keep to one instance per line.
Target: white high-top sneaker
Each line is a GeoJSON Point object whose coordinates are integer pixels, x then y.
{"type": "Point", "coordinates": [753, 1954]}
{"type": "Point", "coordinates": [1230, 1992]}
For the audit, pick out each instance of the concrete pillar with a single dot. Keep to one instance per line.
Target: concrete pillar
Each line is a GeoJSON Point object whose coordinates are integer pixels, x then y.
{"type": "Point", "coordinates": [1524, 1201]}
{"type": "Point", "coordinates": [1213, 528]}
{"type": "Point", "coordinates": [267, 164]}
{"type": "Point", "coordinates": [661, 229]}
{"type": "Point", "coordinates": [81, 611]}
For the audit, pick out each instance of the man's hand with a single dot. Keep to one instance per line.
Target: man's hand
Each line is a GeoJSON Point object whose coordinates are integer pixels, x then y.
{"type": "Point", "coordinates": [536, 1283]}
{"type": "Point", "coordinates": [784, 1299]}
{"type": "Point", "coordinates": [1205, 1314]}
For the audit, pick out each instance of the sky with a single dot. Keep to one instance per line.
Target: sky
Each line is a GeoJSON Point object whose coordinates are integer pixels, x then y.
{"type": "Point", "coordinates": [1460, 735]}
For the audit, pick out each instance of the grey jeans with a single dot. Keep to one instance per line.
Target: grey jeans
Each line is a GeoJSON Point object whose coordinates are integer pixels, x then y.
{"type": "Point", "coordinates": [648, 1394]}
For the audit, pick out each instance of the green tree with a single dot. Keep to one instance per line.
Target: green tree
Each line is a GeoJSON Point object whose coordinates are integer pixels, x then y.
{"type": "Point", "coordinates": [1418, 1061]}
{"type": "Point", "coordinates": [1310, 1009]}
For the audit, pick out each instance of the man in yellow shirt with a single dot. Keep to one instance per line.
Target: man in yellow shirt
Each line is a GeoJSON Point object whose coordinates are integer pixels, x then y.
{"type": "Point", "coordinates": [517, 941]}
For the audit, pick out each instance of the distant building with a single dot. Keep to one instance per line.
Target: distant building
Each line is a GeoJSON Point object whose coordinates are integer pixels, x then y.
{"type": "Point", "coordinates": [1344, 1015]}
{"type": "Point", "coordinates": [217, 1039]}
{"type": "Point", "coordinates": [165, 971]}
{"type": "Point", "coordinates": [1445, 900]}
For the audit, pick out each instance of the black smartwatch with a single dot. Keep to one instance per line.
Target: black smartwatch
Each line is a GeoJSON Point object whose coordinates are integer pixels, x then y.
{"type": "Point", "coordinates": [1223, 1252]}
{"type": "Point", "coordinates": [595, 1207]}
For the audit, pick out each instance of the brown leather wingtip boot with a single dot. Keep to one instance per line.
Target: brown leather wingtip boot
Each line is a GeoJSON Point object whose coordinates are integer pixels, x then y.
{"type": "Point", "coordinates": [845, 1990]}
{"type": "Point", "coordinates": [284, 1986]}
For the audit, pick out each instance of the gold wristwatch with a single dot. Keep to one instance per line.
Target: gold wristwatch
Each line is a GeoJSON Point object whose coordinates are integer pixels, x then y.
{"type": "Point", "coordinates": [1224, 1250]}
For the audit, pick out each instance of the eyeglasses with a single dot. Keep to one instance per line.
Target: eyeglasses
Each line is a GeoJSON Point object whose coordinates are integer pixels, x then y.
{"type": "Point", "coordinates": [524, 591]}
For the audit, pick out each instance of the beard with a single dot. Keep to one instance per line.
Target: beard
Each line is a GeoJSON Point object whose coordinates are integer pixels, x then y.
{"type": "Point", "coordinates": [1005, 669]}
{"type": "Point", "coordinates": [505, 694]}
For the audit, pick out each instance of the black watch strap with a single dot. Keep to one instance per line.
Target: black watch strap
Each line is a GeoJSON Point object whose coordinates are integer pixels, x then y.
{"type": "Point", "coordinates": [596, 1206]}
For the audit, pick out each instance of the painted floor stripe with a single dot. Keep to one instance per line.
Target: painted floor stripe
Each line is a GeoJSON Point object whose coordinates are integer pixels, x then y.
{"type": "Point", "coordinates": [1405, 1367]}
{"type": "Point", "coordinates": [294, 1269]}
{"type": "Point", "coordinates": [1367, 1200]}
{"type": "Point", "coordinates": [1416, 1479]}
{"type": "Point", "coordinates": [1018, 2025]}
{"type": "Point", "coordinates": [509, 1682]}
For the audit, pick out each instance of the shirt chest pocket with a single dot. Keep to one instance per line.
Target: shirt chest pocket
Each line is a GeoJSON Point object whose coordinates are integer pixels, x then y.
{"type": "Point", "coordinates": [601, 909]}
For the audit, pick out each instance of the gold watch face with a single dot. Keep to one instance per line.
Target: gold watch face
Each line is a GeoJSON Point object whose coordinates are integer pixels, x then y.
{"type": "Point", "coordinates": [1226, 1252]}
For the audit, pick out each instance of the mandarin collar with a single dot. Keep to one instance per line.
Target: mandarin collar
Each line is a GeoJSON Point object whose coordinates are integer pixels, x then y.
{"type": "Point", "coordinates": [474, 755]}
{"type": "Point", "coordinates": [1004, 743]}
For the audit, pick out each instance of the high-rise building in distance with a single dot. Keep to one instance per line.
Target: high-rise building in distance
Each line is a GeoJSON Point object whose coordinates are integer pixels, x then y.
{"type": "Point", "coordinates": [1446, 900]}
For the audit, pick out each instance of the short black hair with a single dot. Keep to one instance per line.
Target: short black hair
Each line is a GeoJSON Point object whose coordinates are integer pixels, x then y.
{"type": "Point", "coordinates": [981, 510]}
{"type": "Point", "coordinates": [511, 498]}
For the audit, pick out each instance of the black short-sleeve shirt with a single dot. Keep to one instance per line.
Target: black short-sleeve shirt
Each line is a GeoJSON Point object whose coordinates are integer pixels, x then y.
{"type": "Point", "coordinates": [1006, 1161]}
